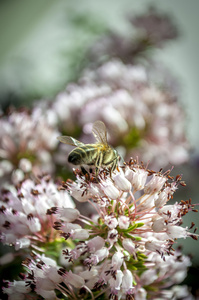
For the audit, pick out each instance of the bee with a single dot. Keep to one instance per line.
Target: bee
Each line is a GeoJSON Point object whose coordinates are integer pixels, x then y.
{"type": "Point", "coordinates": [95, 155]}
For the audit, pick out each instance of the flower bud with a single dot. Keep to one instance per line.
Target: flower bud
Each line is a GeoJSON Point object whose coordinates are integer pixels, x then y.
{"type": "Point", "coordinates": [127, 282]}
{"type": "Point", "coordinates": [68, 214]}
{"type": "Point", "coordinates": [154, 185]}
{"type": "Point", "coordinates": [80, 234]}
{"type": "Point", "coordinates": [139, 178]}
{"type": "Point", "coordinates": [110, 191]}
{"type": "Point", "coordinates": [116, 283]}
{"type": "Point", "coordinates": [122, 183]}
{"type": "Point", "coordinates": [176, 232]}
{"type": "Point", "coordinates": [25, 165]}
{"type": "Point", "coordinates": [129, 245]}
{"type": "Point", "coordinates": [95, 244]}
{"type": "Point", "coordinates": [158, 224]}
{"type": "Point", "coordinates": [73, 279]}
{"type": "Point", "coordinates": [117, 260]}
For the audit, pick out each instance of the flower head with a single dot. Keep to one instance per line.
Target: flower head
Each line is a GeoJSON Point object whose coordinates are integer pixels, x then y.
{"type": "Point", "coordinates": [131, 229]}
{"type": "Point", "coordinates": [24, 219]}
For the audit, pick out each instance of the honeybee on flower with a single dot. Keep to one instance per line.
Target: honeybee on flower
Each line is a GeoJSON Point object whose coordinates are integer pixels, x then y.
{"type": "Point", "coordinates": [95, 155]}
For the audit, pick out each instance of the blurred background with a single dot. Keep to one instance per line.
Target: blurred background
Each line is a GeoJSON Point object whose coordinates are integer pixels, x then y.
{"type": "Point", "coordinates": [43, 45]}
{"type": "Point", "coordinates": [42, 42]}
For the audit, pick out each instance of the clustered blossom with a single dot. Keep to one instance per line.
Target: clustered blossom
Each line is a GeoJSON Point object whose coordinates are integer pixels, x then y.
{"type": "Point", "coordinates": [27, 140]}
{"type": "Point", "coordinates": [23, 221]}
{"type": "Point", "coordinates": [125, 250]}
{"type": "Point", "coordinates": [141, 118]}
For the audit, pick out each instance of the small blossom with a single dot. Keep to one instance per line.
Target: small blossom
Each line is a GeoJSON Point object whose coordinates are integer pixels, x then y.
{"type": "Point", "coordinates": [110, 190]}
{"type": "Point", "coordinates": [123, 222]}
{"type": "Point", "coordinates": [22, 243]}
{"type": "Point", "coordinates": [111, 222]}
{"type": "Point", "coordinates": [141, 294]}
{"type": "Point", "coordinates": [156, 246]}
{"type": "Point", "coordinates": [97, 257]}
{"type": "Point", "coordinates": [117, 260]}
{"type": "Point", "coordinates": [17, 287]}
{"type": "Point", "coordinates": [158, 224]}
{"type": "Point", "coordinates": [80, 234]}
{"type": "Point", "coordinates": [127, 282]}
{"type": "Point", "coordinates": [115, 283]}
{"type": "Point", "coordinates": [139, 177]}
{"type": "Point", "coordinates": [17, 176]}
{"type": "Point", "coordinates": [148, 277]}
{"type": "Point", "coordinates": [129, 246]}
{"type": "Point", "coordinates": [73, 279]}
{"type": "Point", "coordinates": [121, 182]}
{"type": "Point", "coordinates": [154, 185]}
{"type": "Point", "coordinates": [176, 232]}
{"type": "Point", "coordinates": [95, 244]}
{"type": "Point", "coordinates": [25, 165]}
{"type": "Point", "coordinates": [68, 214]}
{"type": "Point", "coordinates": [112, 236]}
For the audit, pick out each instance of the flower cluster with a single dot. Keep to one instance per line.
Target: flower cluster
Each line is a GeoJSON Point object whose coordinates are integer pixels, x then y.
{"type": "Point", "coordinates": [142, 118]}
{"type": "Point", "coordinates": [27, 140]}
{"type": "Point", "coordinates": [124, 251]}
{"type": "Point", "coordinates": [23, 221]}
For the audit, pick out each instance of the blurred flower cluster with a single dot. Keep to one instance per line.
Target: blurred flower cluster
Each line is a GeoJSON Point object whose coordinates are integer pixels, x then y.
{"type": "Point", "coordinates": [27, 141]}
{"type": "Point", "coordinates": [121, 247]}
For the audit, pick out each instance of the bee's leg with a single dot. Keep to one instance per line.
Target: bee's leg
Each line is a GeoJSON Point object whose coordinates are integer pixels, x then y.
{"type": "Point", "coordinates": [84, 170]}
{"type": "Point", "coordinates": [98, 164]}
{"type": "Point", "coordinates": [113, 166]}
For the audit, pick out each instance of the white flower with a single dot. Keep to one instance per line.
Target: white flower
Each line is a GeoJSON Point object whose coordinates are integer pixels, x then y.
{"type": "Point", "coordinates": [68, 214]}
{"type": "Point", "coordinates": [110, 190]}
{"type": "Point", "coordinates": [141, 294]}
{"type": "Point", "coordinates": [137, 178]}
{"type": "Point", "coordinates": [176, 231]}
{"type": "Point", "coordinates": [117, 260]}
{"type": "Point", "coordinates": [80, 234]}
{"type": "Point", "coordinates": [127, 282]}
{"type": "Point", "coordinates": [129, 245]}
{"type": "Point", "coordinates": [155, 184]}
{"type": "Point", "coordinates": [111, 221]}
{"type": "Point", "coordinates": [112, 236]}
{"type": "Point", "coordinates": [73, 279]}
{"type": "Point", "coordinates": [25, 165]}
{"type": "Point", "coordinates": [95, 244]}
{"type": "Point", "coordinates": [121, 182]}
{"type": "Point", "coordinates": [158, 224]}
{"type": "Point", "coordinates": [123, 222]}
{"type": "Point", "coordinates": [115, 283]}
{"type": "Point", "coordinates": [148, 277]}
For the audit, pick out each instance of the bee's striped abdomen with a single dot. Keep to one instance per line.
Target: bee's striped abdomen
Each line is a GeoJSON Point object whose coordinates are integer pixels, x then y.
{"type": "Point", "coordinates": [83, 155]}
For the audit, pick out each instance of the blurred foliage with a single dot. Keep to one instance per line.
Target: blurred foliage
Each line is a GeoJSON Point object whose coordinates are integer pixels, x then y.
{"type": "Point", "coordinates": [36, 63]}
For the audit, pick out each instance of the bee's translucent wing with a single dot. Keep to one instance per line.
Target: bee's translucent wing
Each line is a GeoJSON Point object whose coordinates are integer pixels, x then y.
{"type": "Point", "coordinates": [99, 132]}
{"type": "Point", "coordinates": [70, 141]}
